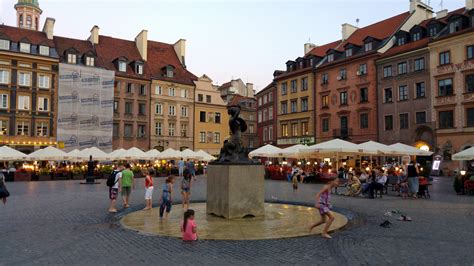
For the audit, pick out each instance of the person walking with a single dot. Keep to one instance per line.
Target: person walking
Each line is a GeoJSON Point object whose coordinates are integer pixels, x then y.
{"type": "Point", "coordinates": [190, 167]}
{"type": "Point", "coordinates": [166, 198]}
{"type": "Point", "coordinates": [127, 184]}
{"type": "Point", "coordinates": [323, 204]}
{"type": "Point", "coordinates": [181, 167]}
{"type": "Point", "coordinates": [295, 182]}
{"type": "Point", "coordinates": [4, 194]}
{"type": "Point", "coordinates": [148, 190]}
{"type": "Point", "coordinates": [186, 189]}
{"type": "Point", "coordinates": [114, 188]}
{"type": "Point", "coordinates": [189, 227]}
{"type": "Point", "coordinates": [412, 175]}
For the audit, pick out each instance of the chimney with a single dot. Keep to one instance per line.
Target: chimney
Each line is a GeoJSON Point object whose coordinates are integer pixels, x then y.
{"type": "Point", "coordinates": [48, 27]}
{"type": "Point", "coordinates": [347, 30]}
{"type": "Point", "coordinates": [94, 38]}
{"type": "Point", "coordinates": [180, 49]}
{"type": "Point", "coordinates": [308, 47]}
{"type": "Point", "coordinates": [249, 86]}
{"type": "Point", "coordinates": [469, 4]}
{"type": "Point", "coordinates": [441, 14]}
{"type": "Point", "coordinates": [142, 43]}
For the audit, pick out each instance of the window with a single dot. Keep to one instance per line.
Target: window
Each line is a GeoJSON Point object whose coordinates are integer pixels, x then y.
{"type": "Point", "coordinates": [470, 51]}
{"type": "Point", "coordinates": [115, 130]}
{"type": "Point", "coordinates": [419, 64]}
{"type": "Point", "coordinates": [184, 130]}
{"type": "Point", "coordinates": [44, 50]}
{"type": "Point", "coordinates": [446, 119]}
{"type": "Point", "coordinates": [41, 129]}
{"type": "Point", "coordinates": [284, 88]}
{"type": "Point", "coordinates": [401, 41]}
{"type": "Point", "coordinates": [23, 102]}
{"type": "Point", "coordinates": [71, 58]}
{"type": "Point", "coordinates": [4, 76]}
{"type": "Point", "coordinates": [445, 87]}
{"type": "Point", "coordinates": [325, 101]}
{"type": "Point", "coordinates": [141, 108]}
{"type": "Point", "coordinates": [270, 133]}
{"type": "Point", "coordinates": [169, 73]}
{"type": "Point", "coordinates": [284, 108]}
{"type": "Point", "coordinates": [403, 121]}
{"type": "Point", "coordinates": [470, 117]}
{"type": "Point", "coordinates": [202, 117]}
{"type": "Point", "coordinates": [128, 130]}
{"type": "Point", "coordinates": [343, 97]}
{"type": "Point", "coordinates": [128, 107]}
{"type": "Point", "coordinates": [325, 124]}
{"type": "Point", "coordinates": [259, 116]}
{"type": "Point", "coordinates": [265, 132]}
{"type": "Point", "coordinates": [251, 143]}
{"type": "Point", "coordinates": [342, 74]}
{"type": "Point", "coordinates": [90, 61]}
{"type": "Point", "coordinates": [28, 22]}
{"type": "Point", "coordinates": [202, 137]}
{"type": "Point", "coordinates": [184, 111]}
{"type": "Point", "coordinates": [420, 117]}
{"type": "Point", "coordinates": [364, 95]}
{"type": "Point", "coordinates": [270, 113]}
{"type": "Point", "coordinates": [470, 83]}
{"type": "Point", "coordinates": [158, 90]}
{"type": "Point", "coordinates": [158, 129]}
{"type": "Point", "coordinates": [402, 68]}
{"type": "Point", "coordinates": [23, 128]}
{"type": "Point", "coordinates": [444, 58]}
{"type": "Point", "coordinates": [4, 45]}
{"type": "Point", "coordinates": [304, 104]}
{"type": "Point", "coordinates": [387, 71]}
{"type": "Point", "coordinates": [24, 79]}
{"type": "Point", "coordinates": [129, 88]}
{"type": "Point", "coordinates": [43, 81]}
{"type": "Point", "coordinates": [294, 86]}
{"type": "Point", "coordinates": [217, 137]}
{"type": "Point", "coordinates": [141, 131]}
{"type": "Point", "coordinates": [294, 106]}
{"type": "Point", "coordinates": [200, 97]}
{"type": "Point", "coordinates": [416, 36]}
{"type": "Point", "coordinates": [330, 57]}
{"type": "Point", "coordinates": [362, 69]}
{"type": "Point", "coordinates": [122, 66]}
{"type": "Point", "coordinates": [217, 118]}
{"type": "Point", "coordinates": [265, 99]}
{"type": "Point", "coordinates": [43, 104]}
{"type": "Point", "coordinates": [251, 129]}
{"type": "Point", "coordinates": [454, 26]}
{"type": "Point", "coordinates": [433, 31]}
{"type": "Point", "coordinates": [368, 46]}
{"type": "Point", "coordinates": [304, 84]}
{"type": "Point", "coordinates": [172, 110]}
{"type": "Point", "coordinates": [139, 69]}
{"type": "Point", "coordinates": [349, 52]}
{"type": "Point", "coordinates": [259, 101]}
{"type": "Point", "coordinates": [403, 93]}
{"type": "Point", "coordinates": [171, 91]}
{"type": "Point", "coordinates": [324, 78]}
{"type": "Point", "coordinates": [270, 97]}
{"type": "Point", "coordinates": [294, 129]}
{"type": "Point", "coordinates": [142, 89]}
{"type": "Point", "coordinates": [3, 101]}
{"type": "Point", "coordinates": [116, 105]}
{"type": "Point", "coordinates": [388, 98]}
{"type": "Point", "coordinates": [364, 121]}
{"type": "Point", "coordinates": [171, 129]}
{"type": "Point", "coordinates": [159, 109]}
{"type": "Point", "coordinates": [25, 47]}
{"type": "Point", "coordinates": [184, 93]}
{"type": "Point", "coordinates": [208, 98]}
{"type": "Point", "coordinates": [304, 128]}
{"type": "Point", "coordinates": [389, 122]}
{"type": "Point", "coordinates": [284, 130]}
{"type": "Point", "coordinates": [420, 90]}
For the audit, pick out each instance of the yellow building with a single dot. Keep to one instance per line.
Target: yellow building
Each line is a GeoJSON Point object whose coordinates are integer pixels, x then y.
{"type": "Point", "coordinates": [210, 117]}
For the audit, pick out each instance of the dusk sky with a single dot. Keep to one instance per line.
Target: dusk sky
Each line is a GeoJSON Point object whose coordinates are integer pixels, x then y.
{"type": "Point", "coordinates": [225, 39]}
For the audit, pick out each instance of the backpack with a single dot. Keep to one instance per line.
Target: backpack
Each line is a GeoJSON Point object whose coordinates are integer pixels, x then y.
{"type": "Point", "coordinates": [111, 179]}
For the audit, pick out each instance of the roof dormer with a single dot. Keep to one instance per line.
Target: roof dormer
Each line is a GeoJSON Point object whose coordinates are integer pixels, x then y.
{"type": "Point", "coordinates": [138, 66]}
{"type": "Point", "coordinates": [168, 71]}
{"type": "Point", "coordinates": [402, 37]}
{"type": "Point", "coordinates": [290, 65]}
{"type": "Point", "coordinates": [70, 55]}
{"type": "Point", "coordinates": [121, 64]}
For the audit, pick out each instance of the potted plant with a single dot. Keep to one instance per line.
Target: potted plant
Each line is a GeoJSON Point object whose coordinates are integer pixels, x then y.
{"type": "Point", "coordinates": [77, 173]}
{"type": "Point", "coordinates": [44, 174]}
{"type": "Point", "coordinates": [137, 171]}
{"type": "Point", "coordinates": [22, 175]}
{"type": "Point", "coordinates": [106, 171]}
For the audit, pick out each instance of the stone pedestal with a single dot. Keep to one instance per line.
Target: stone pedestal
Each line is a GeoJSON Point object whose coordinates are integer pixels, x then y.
{"type": "Point", "coordinates": [235, 191]}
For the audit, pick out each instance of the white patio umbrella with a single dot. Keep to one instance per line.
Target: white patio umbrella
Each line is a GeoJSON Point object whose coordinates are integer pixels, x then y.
{"type": "Point", "coordinates": [115, 153]}
{"type": "Point", "coordinates": [10, 154]}
{"type": "Point", "coordinates": [96, 153]}
{"type": "Point", "coordinates": [48, 154]}
{"type": "Point", "coordinates": [409, 150]}
{"type": "Point", "coordinates": [153, 154]}
{"type": "Point", "coordinates": [266, 151]}
{"type": "Point", "coordinates": [170, 154]}
{"type": "Point", "coordinates": [189, 154]}
{"type": "Point", "coordinates": [464, 155]}
{"type": "Point", "coordinates": [380, 149]}
{"type": "Point", "coordinates": [336, 146]}
{"type": "Point", "coordinates": [294, 151]}
{"type": "Point", "coordinates": [131, 154]}
{"type": "Point", "coordinates": [206, 156]}
{"type": "Point", "coordinates": [74, 155]}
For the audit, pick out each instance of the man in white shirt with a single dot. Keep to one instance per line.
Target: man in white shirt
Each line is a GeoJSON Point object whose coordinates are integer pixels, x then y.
{"type": "Point", "coordinates": [114, 190]}
{"type": "Point", "coordinates": [379, 182]}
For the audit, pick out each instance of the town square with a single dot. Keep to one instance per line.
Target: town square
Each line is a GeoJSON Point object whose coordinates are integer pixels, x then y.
{"type": "Point", "coordinates": [210, 132]}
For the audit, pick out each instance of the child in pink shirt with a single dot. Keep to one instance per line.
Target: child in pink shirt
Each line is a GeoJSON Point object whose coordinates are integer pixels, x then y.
{"type": "Point", "coordinates": [188, 227]}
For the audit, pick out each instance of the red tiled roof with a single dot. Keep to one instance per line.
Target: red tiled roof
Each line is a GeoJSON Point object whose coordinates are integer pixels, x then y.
{"type": "Point", "coordinates": [225, 85]}
{"type": "Point", "coordinates": [82, 46]}
{"type": "Point", "coordinates": [161, 55]}
{"type": "Point", "coordinates": [15, 34]}
{"type": "Point", "coordinates": [406, 47]}
{"type": "Point", "coordinates": [321, 50]}
{"type": "Point", "coordinates": [239, 98]}
{"type": "Point", "coordinates": [444, 19]}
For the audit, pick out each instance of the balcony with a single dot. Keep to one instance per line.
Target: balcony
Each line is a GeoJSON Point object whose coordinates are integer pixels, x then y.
{"type": "Point", "coordinates": [342, 133]}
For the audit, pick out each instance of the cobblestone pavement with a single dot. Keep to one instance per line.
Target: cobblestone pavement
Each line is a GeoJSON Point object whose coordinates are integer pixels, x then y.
{"type": "Point", "coordinates": [62, 222]}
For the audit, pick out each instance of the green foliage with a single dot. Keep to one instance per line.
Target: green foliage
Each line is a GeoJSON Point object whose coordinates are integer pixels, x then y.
{"type": "Point", "coordinates": [44, 171]}
{"type": "Point", "coordinates": [76, 170]}
{"type": "Point", "coordinates": [106, 169]}
{"type": "Point", "coordinates": [136, 169]}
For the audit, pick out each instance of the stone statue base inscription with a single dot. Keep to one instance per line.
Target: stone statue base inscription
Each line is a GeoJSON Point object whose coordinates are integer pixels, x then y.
{"type": "Point", "coordinates": [235, 191]}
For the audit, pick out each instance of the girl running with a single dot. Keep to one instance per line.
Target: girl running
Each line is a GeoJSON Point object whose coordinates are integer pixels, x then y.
{"type": "Point", "coordinates": [166, 199]}
{"type": "Point", "coordinates": [186, 189]}
{"type": "Point", "coordinates": [323, 204]}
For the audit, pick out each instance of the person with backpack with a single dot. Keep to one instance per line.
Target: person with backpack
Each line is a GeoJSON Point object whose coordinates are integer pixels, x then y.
{"type": "Point", "coordinates": [186, 189]}
{"type": "Point", "coordinates": [4, 194]}
{"type": "Point", "coordinates": [127, 184]}
{"type": "Point", "coordinates": [113, 182]}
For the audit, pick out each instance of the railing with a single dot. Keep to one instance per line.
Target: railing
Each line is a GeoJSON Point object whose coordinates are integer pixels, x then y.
{"type": "Point", "coordinates": [342, 133]}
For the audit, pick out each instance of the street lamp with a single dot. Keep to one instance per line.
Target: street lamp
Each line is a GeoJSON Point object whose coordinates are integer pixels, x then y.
{"type": "Point", "coordinates": [463, 172]}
